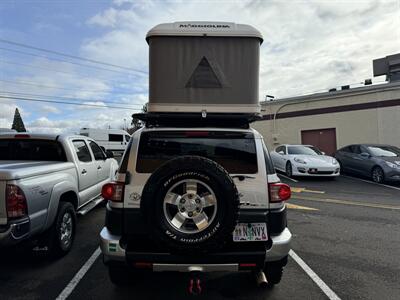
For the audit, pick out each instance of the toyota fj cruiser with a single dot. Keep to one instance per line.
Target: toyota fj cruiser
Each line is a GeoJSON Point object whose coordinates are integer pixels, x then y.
{"type": "Point", "coordinates": [196, 199]}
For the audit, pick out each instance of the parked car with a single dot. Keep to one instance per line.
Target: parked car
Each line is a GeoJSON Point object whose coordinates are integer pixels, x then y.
{"type": "Point", "coordinates": [114, 140]}
{"type": "Point", "coordinates": [378, 162]}
{"type": "Point", "coordinates": [304, 160]}
{"type": "Point", "coordinates": [196, 200]}
{"type": "Point", "coordinates": [44, 181]}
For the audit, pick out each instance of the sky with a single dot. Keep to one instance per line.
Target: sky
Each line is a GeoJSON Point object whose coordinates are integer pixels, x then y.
{"type": "Point", "coordinates": [309, 46]}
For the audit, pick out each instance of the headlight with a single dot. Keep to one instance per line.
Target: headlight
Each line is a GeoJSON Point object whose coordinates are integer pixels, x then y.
{"type": "Point", "coordinates": [299, 160]}
{"type": "Point", "coordinates": [334, 162]}
{"type": "Point", "coordinates": [392, 165]}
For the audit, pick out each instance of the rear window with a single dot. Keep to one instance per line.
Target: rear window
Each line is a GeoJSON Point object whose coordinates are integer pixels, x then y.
{"type": "Point", "coordinates": [236, 152]}
{"type": "Point", "coordinates": [31, 149]}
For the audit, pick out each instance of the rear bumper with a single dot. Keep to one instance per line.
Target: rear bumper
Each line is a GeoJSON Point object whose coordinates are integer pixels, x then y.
{"type": "Point", "coordinates": [113, 252]}
{"type": "Point", "coordinates": [14, 232]}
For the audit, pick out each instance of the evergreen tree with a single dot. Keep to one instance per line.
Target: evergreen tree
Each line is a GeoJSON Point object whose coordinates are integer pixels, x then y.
{"type": "Point", "coordinates": [18, 124]}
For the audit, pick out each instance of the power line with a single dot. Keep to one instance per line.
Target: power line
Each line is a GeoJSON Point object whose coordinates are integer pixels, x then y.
{"type": "Point", "coordinates": [53, 70]}
{"type": "Point", "coordinates": [62, 60]}
{"type": "Point", "coordinates": [31, 83]}
{"type": "Point", "coordinates": [70, 56]}
{"type": "Point", "coordinates": [64, 102]}
{"type": "Point", "coordinates": [69, 98]}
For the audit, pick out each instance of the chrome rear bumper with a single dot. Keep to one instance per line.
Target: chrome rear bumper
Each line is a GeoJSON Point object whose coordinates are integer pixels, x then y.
{"type": "Point", "coordinates": [113, 252]}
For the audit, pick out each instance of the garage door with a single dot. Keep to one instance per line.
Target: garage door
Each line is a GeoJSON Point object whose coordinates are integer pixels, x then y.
{"type": "Point", "coordinates": [324, 139]}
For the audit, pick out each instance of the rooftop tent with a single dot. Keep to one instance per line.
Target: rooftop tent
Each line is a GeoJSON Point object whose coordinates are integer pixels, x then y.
{"type": "Point", "coordinates": [204, 66]}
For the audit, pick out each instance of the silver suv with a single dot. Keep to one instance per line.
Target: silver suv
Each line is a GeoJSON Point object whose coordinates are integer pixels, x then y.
{"type": "Point", "coordinates": [196, 200]}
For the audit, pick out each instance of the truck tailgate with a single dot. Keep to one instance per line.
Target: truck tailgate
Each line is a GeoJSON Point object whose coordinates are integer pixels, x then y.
{"type": "Point", "coordinates": [3, 211]}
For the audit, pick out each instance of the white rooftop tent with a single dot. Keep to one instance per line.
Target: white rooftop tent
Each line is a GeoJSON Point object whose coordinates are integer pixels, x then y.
{"type": "Point", "coordinates": [204, 66]}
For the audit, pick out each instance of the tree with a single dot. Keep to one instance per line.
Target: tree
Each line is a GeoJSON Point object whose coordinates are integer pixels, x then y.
{"type": "Point", "coordinates": [18, 124]}
{"type": "Point", "coordinates": [136, 123]}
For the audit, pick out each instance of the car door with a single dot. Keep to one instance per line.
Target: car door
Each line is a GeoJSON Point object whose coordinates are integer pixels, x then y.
{"type": "Point", "coordinates": [344, 157]}
{"type": "Point", "coordinates": [283, 158]}
{"type": "Point", "coordinates": [87, 170]}
{"type": "Point", "coordinates": [277, 157]}
{"type": "Point", "coordinates": [364, 161]}
{"type": "Point", "coordinates": [101, 162]}
{"type": "Point", "coordinates": [356, 160]}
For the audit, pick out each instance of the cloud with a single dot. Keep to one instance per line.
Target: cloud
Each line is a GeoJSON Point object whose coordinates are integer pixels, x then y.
{"type": "Point", "coordinates": [50, 109]}
{"type": "Point", "coordinates": [307, 46]}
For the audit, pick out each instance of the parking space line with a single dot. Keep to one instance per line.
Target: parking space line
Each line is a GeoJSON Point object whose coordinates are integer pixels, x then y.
{"type": "Point", "coordinates": [371, 182]}
{"type": "Point", "coordinates": [294, 180]}
{"type": "Point", "coordinates": [78, 276]}
{"type": "Point", "coordinates": [348, 202]}
{"type": "Point", "coordinates": [294, 206]}
{"type": "Point", "coordinates": [321, 284]}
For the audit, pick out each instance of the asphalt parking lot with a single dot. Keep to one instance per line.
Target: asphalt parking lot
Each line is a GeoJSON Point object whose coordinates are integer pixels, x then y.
{"type": "Point", "coordinates": [345, 230]}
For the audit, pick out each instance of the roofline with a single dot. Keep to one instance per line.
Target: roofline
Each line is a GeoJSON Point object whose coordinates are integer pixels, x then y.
{"type": "Point", "coordinates": [204, 28]}
{"type": "Point", "coordinates": [337, 94]}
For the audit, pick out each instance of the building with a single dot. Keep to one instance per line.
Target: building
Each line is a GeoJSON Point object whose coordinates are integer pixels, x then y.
{"type": "Point", "coordinates": [331, 120]}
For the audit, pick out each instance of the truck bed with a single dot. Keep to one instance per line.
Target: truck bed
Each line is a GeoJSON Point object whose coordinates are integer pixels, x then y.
{"type": "Point", "coordinates": [14, 170]}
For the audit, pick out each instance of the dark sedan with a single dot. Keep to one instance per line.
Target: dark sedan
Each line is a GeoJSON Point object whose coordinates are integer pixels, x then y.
{"type": "Point", "coordinates": [378, 162]}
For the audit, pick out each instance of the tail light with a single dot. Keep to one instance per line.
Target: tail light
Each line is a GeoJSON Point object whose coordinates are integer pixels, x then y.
{"type": "Point", "coordinates": [15, 202]}
{"type": "Point", "coordinates": [279, 192]}
{"type": "Point", "coordinates": [113, 191]}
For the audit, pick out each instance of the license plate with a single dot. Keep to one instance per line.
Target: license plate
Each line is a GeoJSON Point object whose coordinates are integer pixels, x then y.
{"type": "Point", "coordinates": [250, 232]}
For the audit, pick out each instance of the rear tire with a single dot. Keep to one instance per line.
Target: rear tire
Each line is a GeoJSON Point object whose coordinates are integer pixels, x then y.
{"type": "Point", "coordinates": [273, 271]}
{"type": "Point", "coordinates": [377, 175]}
{"type": "Point", "coordinates": [119, 276]}
{"type": "Point", "coordinates": [62, 234]}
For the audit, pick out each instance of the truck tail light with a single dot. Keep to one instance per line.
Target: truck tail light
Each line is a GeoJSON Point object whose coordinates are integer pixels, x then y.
{"type": "Point", "coordinates": [113, 191]}
{"type": "Point", "coordinates": [15, 202]}
{"type": "Point", "coordinates": [279, 192]}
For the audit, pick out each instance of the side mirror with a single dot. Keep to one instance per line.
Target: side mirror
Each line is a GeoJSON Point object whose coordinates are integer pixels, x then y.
{"type": "Point", "coordinates": [281, 152]}
{"type": "Point", "coordinates": [365, 155]}
{"type": "Point", "coordinates": [109, 154]}
{"type": "Point", "coordinates": [322, 152]}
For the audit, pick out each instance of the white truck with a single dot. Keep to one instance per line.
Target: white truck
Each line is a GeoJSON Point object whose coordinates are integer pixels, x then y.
{"type": "Point", "coordinates": [114, 140]}
{"type": "Point", "coordinates": [44, 181]}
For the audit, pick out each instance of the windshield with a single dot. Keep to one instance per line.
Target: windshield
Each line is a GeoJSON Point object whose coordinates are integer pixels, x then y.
{"type": "Point", "coordinates": [29, 149]}
{"type": "Point", "coordinates": [384, 151]}
{"type": "Point", "coordinates": [304, 150]}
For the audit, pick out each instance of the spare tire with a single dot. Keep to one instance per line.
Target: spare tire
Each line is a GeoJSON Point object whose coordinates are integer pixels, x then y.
{"type": "Point", "coordinates": [190, 203]}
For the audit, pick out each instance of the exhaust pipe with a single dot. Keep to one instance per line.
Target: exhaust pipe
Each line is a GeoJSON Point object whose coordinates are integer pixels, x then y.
{"type": "Point", "coordinates": [262, 281]}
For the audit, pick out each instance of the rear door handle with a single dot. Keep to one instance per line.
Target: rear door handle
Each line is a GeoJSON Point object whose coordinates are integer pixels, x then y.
{"type": "Point", "coordinates": [84, 171]}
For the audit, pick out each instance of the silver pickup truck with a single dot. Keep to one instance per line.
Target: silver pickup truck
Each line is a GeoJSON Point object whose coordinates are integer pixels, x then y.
{"type": "Point", "coordinates": [44, 181]}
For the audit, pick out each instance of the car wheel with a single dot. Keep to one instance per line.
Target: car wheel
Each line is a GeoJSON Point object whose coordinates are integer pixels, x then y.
{"type": "Point", "coordinates": [289, 169]}
{"type": "Point", "coordinates": [273, 271]}
{"type": "Point", "coordinates": [120, 276]}
{"type": "Point", "coordinates": [191, 204]}
{"type": "Point", "coordinates": [61, 236]}
{"type": "Point", "coordinates": [377, 175]}
{"type": "Point", "coordinates": [340, 166]}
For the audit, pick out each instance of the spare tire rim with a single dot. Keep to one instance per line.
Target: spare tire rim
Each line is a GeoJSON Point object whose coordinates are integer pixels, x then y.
{"type": "Point", "coordinates": [190, 206]}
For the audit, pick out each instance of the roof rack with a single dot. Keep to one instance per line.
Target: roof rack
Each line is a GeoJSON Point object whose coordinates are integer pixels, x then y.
{"type": "Point", "coordinates": [197, 119]}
